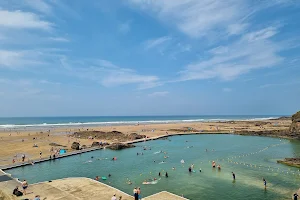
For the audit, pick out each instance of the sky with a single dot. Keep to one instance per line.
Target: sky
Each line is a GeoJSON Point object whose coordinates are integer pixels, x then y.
{"type": "Point", "coordinates": [148, 57]}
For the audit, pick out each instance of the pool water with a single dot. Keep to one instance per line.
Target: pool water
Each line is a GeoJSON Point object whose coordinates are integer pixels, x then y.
{"type": "Point", "coordinates": [250, 158]}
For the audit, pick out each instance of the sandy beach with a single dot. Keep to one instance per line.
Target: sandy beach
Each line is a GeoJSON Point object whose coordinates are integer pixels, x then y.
{"type": "Point", "coordinates": [15, 143]}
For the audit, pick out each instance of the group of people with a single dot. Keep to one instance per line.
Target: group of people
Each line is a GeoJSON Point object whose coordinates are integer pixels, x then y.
{"type": "Point", "coordinates": [137, 193]}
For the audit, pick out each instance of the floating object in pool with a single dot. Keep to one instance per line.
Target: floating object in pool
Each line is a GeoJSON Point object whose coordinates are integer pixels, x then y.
{"type": "Point", "coordinates": [150, 182]}
{"type": "Point", "coordinates": [194, 171]}
{"type": "Point", "coordinates": [104, 178]}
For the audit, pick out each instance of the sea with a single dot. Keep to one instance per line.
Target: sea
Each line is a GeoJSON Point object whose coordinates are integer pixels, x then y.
{"type": "Point", "coordinates": [78, 121]}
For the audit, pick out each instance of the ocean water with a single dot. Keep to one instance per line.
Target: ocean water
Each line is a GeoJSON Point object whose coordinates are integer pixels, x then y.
{"type": "Point", "coordinates": [46, 122]}
{"type": "Point", "coordinates": [250, 158]}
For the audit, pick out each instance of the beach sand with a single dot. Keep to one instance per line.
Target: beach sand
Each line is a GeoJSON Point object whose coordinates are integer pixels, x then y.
{"type": "Point", "coordinates": [15, 143]}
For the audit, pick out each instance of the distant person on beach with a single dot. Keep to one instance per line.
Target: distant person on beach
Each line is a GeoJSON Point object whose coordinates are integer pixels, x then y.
{"type": "Point", "coordinates": [24, 186]}
{"type": "Point", "coordinates": [37, 197]}
{"type": "Point", "coordinates": [41, 154]}
{"type": "Point", "coordinates": [233, 176]}
{"type": "Point", "coordinates": [23, 157]}
{"type": "Point", "coordinates": [265, 183]}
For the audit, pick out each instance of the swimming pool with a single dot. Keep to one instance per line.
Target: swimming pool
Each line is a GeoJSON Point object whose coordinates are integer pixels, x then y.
{"type": "Point", "coordinates": [250, 158]}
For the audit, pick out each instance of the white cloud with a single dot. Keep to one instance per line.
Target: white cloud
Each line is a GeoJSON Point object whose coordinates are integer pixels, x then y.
{"type": "Point", "coordinates": [236, 29]}
{"type": "Point", "coordinates": [196, 18]}
{"type": "Point", "coordinates": [227, 89]}
{"type": "Point", "coordinates": [108, 74]}
{"type": "Point", "coordinates": [21, 58]}
{"type": "Point", "coordinates": [39, 5]}
{"type": "Point", "coordinates": [156, 42]}
{"type": "Point", "coordinates": [159, 94]}
{"type": "Point", "coordinates": [252, 51]}
{"type": "Point", "coordinates": [59, 39]}
{"type": "Point", "coordinates": [21, 20]}
{"type": "Point", "coordinates": [125, 27]}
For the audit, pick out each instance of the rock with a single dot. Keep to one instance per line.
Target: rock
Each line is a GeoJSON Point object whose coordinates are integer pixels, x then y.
{"type": "Point", "coordinates": [295, 126]}
{"type": "Point", "coordinates": [295, 162]}
{"type": "Point", "coordinates": [119, 146]}
{"type": "Point", "coordinates": [95, 144]}
{"type": "Point", "coordinates": [135, 136]}
{"type": "Point", "coordinates": [75, 146]}
{"type": "Point", "coordinates": [56, 145]}
{"type": "Point", "coordinates": [84, 147]}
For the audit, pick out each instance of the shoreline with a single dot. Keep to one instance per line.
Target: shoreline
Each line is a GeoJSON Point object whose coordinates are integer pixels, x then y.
{"type": "Point", "coordinates": [31, 143]}
{"type": "Point", "coordinates": [89, 149]}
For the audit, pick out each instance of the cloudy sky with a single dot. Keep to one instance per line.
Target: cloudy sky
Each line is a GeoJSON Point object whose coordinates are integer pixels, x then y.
{"type": "Point", "coordinates": [135, 57]}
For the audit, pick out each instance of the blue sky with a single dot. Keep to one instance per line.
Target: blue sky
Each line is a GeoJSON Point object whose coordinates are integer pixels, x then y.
{"type": "Point", "coordinates": [135, 57]}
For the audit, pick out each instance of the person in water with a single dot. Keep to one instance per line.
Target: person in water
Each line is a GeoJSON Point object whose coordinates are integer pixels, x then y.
{"type": "Point", "coordinates": [265, 183]}
{"type": "Point", "coordinates": [213, 164]}
{"type": "Point", "coordinates": [167, 175]}
{"type": "Point", "coordinates": [190, 169]}
{"type": "Point", "coordinates": [219, 167]}
{"type": "Point", "coordinates": [159, 174]}
{"type": "Point", "coordinates": [109, 175]}
{"type": "Point", "coordinates": [200, 170]}
{"type": "Point", "coordinates": [233, 176]}
{"type": "Point", "coordinates": [97, 178]}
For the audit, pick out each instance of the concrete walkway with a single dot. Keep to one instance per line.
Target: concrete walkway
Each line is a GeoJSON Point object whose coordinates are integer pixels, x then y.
{"type": "Point", "coordinates": [164, 195]}
{"type": "Point", "coordinates": [74, 189]}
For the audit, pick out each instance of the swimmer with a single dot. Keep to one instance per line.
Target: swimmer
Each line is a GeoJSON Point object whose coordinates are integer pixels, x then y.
{"type": "Point", "coordinates": [233, 176]}
{"type": "Point", "coordinates": [192, 166]}
{"type": "Point", "coordinates": [159, 174]}
{"type": "Point", "coordinates": [109, 175]}
{"type": "Point", "coordinates": [167, 175]}
{"type": "Point", "coordinates": [173, 168]}
{"type": "Point", "coordinates": [213, 164]}
{"type": "Point", "coordinates": [219, 167]}
{"type": "Point", "coordinates": [200, 170]}
{"type": "Point", "coordinates": [182, 161]}
{"type": "Point", "coordinates": [97, 178]}
{"type": "Point", "coordinates": [129, 182]}
{"type": "Point", "coordinates": [190, 169]}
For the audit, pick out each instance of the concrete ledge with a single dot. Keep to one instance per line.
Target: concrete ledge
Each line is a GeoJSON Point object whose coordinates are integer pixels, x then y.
{"type": "Point", "coordinates": [164, 195]}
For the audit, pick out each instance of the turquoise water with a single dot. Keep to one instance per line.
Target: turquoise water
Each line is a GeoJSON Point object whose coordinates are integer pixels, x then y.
{"type": "Point", "coordinates": [251, 158]}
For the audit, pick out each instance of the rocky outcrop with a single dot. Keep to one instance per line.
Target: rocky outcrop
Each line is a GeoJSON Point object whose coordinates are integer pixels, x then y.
{"type": "Point", "coordinates": [75, 146]}
{"type": "Point", "coordinates": [95, 144]}
{"type": "Point", "coordinates": [135, 136]}
{"type": "Point", "coordinates": [295, 126]}
{"type": "Point", "coordinates": [295, 162]}
{"type": "Point", "coordinates": [119, 146]}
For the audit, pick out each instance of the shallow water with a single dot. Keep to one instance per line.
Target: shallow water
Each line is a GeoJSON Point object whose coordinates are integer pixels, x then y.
{"type": "Point", "coordinates": [250, 158]}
